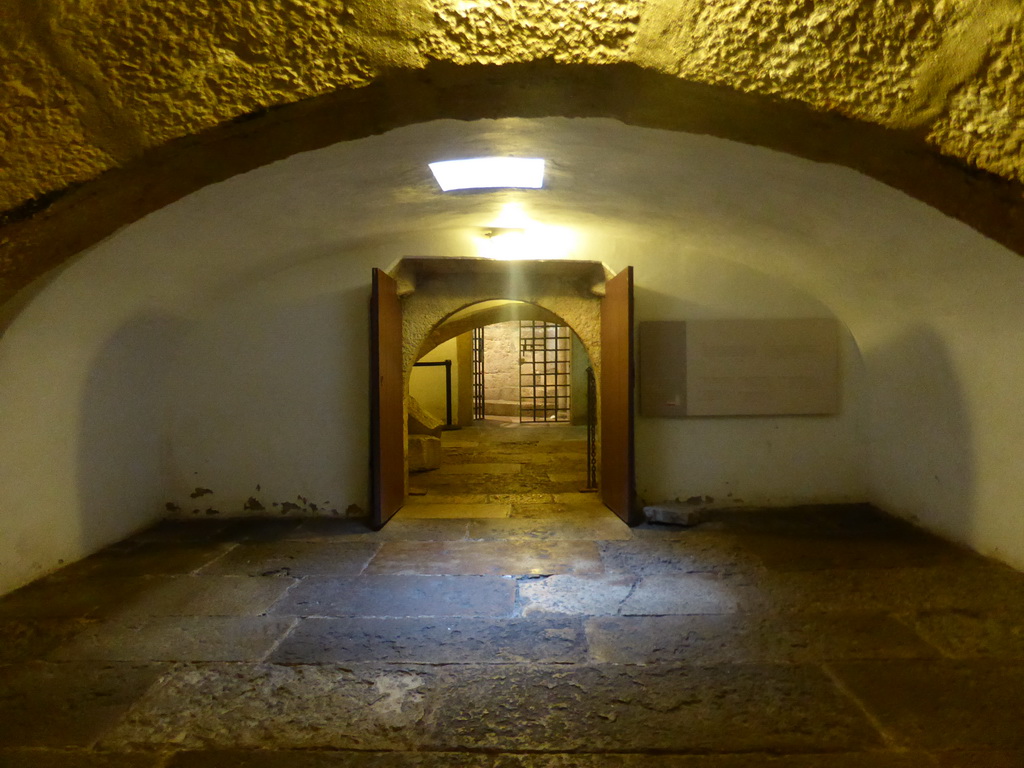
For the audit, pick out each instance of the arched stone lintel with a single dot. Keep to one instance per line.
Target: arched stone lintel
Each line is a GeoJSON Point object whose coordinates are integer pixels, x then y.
{"type": "Point", "coordinates": [449, 329]}
{"type": "Point", "coordinates": [42, 234]}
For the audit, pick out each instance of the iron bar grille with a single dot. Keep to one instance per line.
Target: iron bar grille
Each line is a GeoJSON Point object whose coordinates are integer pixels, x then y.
{"type": "Point", "coordinates": [478, 373]}
{"type": "Point", "coordinates": [591, 430]}
{"type": "Point", "coordinates": [544, 372]}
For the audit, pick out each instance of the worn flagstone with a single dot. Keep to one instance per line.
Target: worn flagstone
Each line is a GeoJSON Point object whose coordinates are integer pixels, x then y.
{"type": "Point", "coordinates": [729, 708]}
{"type": "Point", "coordinates": [80, 758]}
{"type": "Point", "coordinates": [486, 557]}
{"type": "Point", "coordinates": [252, 705]}
{"type": "Point", "coordinates": [293, 558]}
{"type": "Point", "coordinates": [69, 704]}
{"type": "Point", "coordinates": [724, 638]}
{"type": "Point", "coordinates": [447, 640]}
{"type": "Point", "coordinates": [621, 594]}
{"type": "Point", "coordinates": [200, 596]}
{"type": "Point", "coordinates": [177, 638]}
{"type": "Point", "coordinates": [400, 596]}
{"type": "Point", "coordinates": [812, 637]}
{"type": "Point", "coordinates": [452, 510]}
{"type": "Point", "coordinates": [942, 704]}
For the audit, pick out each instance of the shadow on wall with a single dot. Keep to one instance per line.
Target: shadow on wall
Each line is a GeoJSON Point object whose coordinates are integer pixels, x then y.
{"type": "Point", "coordinates": [921, 452]}
{"type": "Point", "coordinates": [121, 442]}
{"type": "Point", "coordinates": [270, 398]}
{"type": "Point", "coordinates": [737, 461]}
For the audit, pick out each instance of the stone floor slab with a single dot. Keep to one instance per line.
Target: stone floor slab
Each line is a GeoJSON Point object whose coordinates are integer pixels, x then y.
{"type": "Point", "coordinates": [177, 638]}
{"type": "Point", "coordinates": [683, 594]}
{"type": "Point", "coordinates": [334, 529]}
{"type": "Point", "coordinates": [434, 641]}
{"type": "Point", "coordinates": [486, 558]}
{"type": "Point", "coordinates": [184, 531]}
{"type": "Point", "coordinates": [67, 705]}
{"type": "Point", "coordinates": [942, 705]}
{"type": "Point", "coordinates": [974, 759]}
{"type": "Point", "coordinates": [698, 553]}
{"type": "Point", "coordinates": [148, 559]}
{"type": "Point", "coordinates": [59, 758]}
{"type": "Point", "coordinates": [622, 594]}
{"type": "Point", "coordinates": [746, 638]}
{"type": "Point", "coordinates": [748, 760]}
{"type": "Point", "coordinates": [329, 759]}
{"type": "Point", "coordinates": [456, 511]}
{"type": "Point", "coordinates": [34, 639]}
{"type": "Point", "coordinates": [538, 510]}
{"type": "Point", "coordinates": [606, 528]}
{"type": "Point", "coordinates": [246, 706]}
{"type": "Point", "coordinates": [263, 528]}
{"type": "Point", "coordinates": [898, 590]}
{"type": "Point", "coordinates": [521, 498]}
{"type": "Point", "coordinates": [294, 558]}
{"type": "Point", "coordinates": [690, 629]}
{"type": "Point", "coordinates": [336, 759]}
{"type": "Point", "coordinates": [579, 478]}
{"type": "Point", "coordinates": [448, 498]}
{"type": "Point", "coordinates": [400, 596]}
{"type": "Point", "coordinates": [199, 596]}
{"type": "Point", "coordinates": [594, 595]}
{"type": "Point", "coordinates": [579, 499]}
{"type": "Point", "coordinates": [483, 468]}
{"type": "Point", "coordinates": [57, 599]}
{"type": "Point", "coordinates": [729, 708]}
{"type": "Point", "coordinates": [965, 634]}
{"type": "Point", "coordinates": [424, 530]}
{"type": "Point", "coordinates": [887, 550]}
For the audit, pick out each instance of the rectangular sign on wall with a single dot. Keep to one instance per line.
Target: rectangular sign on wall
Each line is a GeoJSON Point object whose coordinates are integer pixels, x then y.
{"type": "Point", "coordinates": [740, 367]}
{"type": "Point", "coordinates": [662, 368]}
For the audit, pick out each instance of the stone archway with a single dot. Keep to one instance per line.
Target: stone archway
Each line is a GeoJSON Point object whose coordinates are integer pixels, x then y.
{"type": "Point", "coordinates": [435, 294]}
{"type": "Point", "coordinates": [431, 291]}
{"type": "Point", "coordinates": [500, 453]}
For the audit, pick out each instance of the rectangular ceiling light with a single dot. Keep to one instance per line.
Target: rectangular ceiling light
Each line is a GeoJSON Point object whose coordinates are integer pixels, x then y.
{"type": "Point", "coordinates": [489, 173]}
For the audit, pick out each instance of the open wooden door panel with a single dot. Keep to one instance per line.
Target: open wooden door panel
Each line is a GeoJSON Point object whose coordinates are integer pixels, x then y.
{"type": "Point", "coordinates": [618, 474]}
{"type": "Point", "coordinates": [387, 401]}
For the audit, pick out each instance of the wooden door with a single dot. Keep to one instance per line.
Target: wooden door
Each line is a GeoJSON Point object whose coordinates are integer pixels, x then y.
{"type": "Point", "coordinates": [618, 475]}
{"type": "Point", "coordinates": [387, 401]}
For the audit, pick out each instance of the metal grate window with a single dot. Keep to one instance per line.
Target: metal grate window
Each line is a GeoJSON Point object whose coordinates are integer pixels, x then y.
{"type": "Point", "coordinates": [544, 371]}
{"type": "Point", "coordinates": [478, 373]}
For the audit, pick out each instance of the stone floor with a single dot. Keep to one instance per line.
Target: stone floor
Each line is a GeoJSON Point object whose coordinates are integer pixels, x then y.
{"type": "Point", "coordinates": [508, 630]}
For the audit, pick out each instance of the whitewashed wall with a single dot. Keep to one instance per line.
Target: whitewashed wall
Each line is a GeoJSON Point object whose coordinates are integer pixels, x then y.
{"type": "Point", "coordinates": [221, 342]}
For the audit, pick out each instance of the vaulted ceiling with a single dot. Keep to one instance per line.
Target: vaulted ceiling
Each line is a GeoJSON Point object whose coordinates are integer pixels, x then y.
{"type": "Point", "coordinates": [111, 110]}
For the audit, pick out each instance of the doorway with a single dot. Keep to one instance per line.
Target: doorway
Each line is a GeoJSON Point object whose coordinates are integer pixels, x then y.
{"type": "Point", "coordinates": [601, 304]}
{"type": "Point", "coordinates": [524, 435]}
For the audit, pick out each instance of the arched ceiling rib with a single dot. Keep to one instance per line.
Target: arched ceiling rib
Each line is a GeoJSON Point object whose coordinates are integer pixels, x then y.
{"type": "Point", "coordinates": [114, 110]}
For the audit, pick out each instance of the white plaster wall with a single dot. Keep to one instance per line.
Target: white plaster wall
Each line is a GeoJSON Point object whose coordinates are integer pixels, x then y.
{"type": "Point", "coordinates": [221, 342]}
{"type": "Point", "coordinates": [427, 384]}
{"type": "Point", "coordinates": [83, 374]}
{"type": "Point", "coordinates": [745, 461]}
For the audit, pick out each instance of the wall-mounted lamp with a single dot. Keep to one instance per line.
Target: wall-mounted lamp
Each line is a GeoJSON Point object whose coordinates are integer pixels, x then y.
{"type": "Point", "coordinates": [514, 236]}
{"type": "Point", "coordinates": [490, 232]}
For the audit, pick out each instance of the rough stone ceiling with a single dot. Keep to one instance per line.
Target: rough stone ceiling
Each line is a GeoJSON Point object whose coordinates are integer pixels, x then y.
{"type": "Point", "coordinates": [924, 94]}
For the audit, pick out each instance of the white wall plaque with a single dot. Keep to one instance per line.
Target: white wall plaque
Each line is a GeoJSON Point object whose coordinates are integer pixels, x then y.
{"type": "Point", "coordinates": [739, 367]}
{"type": "Point", "coordinates": [762, 367]}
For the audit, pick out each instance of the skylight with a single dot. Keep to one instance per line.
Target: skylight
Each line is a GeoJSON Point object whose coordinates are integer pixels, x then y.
{"type": "Point", "coordinates": [489, 173]}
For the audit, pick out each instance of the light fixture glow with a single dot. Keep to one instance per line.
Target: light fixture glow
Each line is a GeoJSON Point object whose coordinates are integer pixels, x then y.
{"type": "Point", "coordinates": [489, 173]}
{"type": "Point", "coordinates": [515, 236]}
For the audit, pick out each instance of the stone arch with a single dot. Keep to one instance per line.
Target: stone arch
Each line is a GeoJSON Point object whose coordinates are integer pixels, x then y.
{"type": "Point", "coordinates": [456, 323]}
{"type": "Point", "coordinates": [423, 316]}
{"type": "Point", "coordinates": [46, 231]}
